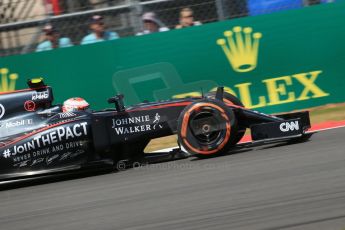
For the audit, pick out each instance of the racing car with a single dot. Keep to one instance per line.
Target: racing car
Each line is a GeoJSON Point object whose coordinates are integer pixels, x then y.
{"type": "Point", "coordinates": [39, 138]}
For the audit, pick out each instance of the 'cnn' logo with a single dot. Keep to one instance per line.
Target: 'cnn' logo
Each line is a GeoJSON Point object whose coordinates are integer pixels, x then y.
{"type": "Point", "coordinates": [289, 126]}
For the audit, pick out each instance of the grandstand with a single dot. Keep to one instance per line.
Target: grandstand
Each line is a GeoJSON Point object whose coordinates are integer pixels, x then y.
{"type": "Point", "coordinates": [21, 21]}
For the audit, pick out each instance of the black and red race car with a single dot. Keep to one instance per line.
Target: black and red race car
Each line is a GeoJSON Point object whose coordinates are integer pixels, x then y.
{"type": "Point", "coordinates": [38, 138]}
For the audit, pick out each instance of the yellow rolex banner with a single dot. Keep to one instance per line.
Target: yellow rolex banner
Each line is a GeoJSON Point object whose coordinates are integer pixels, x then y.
{"type": "Point", "coordinates": [273, 63]}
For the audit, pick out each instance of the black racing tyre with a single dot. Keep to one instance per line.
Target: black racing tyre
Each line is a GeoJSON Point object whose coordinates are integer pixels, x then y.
{"type": "Point", "coordinates": [230, 99]}
{"type": "Point", "coordinates": [207, 128]}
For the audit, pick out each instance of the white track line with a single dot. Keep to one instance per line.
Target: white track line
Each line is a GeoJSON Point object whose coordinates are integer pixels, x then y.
{"type": "Point", "coordinates": [335, 127]}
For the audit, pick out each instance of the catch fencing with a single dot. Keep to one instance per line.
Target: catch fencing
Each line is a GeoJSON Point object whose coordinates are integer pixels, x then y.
{"type": "Point", "coordinates": [21, 21]}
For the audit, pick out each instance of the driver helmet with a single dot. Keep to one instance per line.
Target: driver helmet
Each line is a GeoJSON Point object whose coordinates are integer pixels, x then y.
{"type": "Point", "coordinates": [75, 104]}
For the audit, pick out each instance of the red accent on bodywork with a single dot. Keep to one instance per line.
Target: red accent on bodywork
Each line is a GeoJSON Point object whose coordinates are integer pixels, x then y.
{"type": "Point", "coordinates": [185, 103]}
{"type": "Point", "coordinates": [22, 90]}
{"type": "Point", "coordinates": [35, 132]}
{"type": "Point", "coordinates": [175, 104]}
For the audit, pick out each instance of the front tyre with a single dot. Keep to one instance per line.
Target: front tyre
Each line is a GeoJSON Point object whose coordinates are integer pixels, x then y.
{"type": "Point", "coordinates": [230, 99]}
{"type": "Point", "coordinates": [207, 128]}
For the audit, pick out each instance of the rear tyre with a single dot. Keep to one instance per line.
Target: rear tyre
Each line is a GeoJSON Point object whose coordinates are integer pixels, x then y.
{"type": "Point", "coordinates": [230, 99]}
{"type": "Point", "coordinates": [207, 128]}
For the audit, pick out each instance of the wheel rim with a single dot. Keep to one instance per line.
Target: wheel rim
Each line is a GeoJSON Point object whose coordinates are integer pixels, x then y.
{"type": "Point", "coordinates": [207, 128]}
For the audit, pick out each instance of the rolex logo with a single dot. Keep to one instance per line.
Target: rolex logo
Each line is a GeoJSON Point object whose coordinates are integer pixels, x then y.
{"type": "Point", "coordinates": [241, 48]}
{"type": "Point", "coordinates": [7, 81]}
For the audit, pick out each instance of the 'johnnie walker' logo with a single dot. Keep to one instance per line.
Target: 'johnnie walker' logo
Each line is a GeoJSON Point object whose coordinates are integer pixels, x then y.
{"type": "Point", "coordinates": [241, 48]}
{"type": "Point", "coordinates": [7, 81]}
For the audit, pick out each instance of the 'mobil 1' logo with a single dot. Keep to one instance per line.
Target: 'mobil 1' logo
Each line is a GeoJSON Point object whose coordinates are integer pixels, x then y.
{"type": "Point", "coordinates": [241, 47]}
{"type": "Point", "coordinates": [7, 81]}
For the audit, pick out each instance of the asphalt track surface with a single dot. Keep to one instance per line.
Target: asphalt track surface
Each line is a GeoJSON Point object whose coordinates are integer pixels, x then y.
{"type": "Point", "coordinates": [300, 186]}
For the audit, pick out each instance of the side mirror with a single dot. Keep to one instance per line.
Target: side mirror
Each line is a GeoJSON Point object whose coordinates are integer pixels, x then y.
{"type": "Point", "coordinates": [220, 93]}
{"type": "Point", "coordinates": [118, 101]}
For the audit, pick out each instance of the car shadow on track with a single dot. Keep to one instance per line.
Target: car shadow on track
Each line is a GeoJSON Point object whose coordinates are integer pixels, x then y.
{"type": "Point", "coordinates": [281, 144]}
{"type": "Point", "coordinates": [234, 151]}
{"type": "Point", "coordinates": [242, 148]}
{"type": "Point", "coordinates": [47, 179]}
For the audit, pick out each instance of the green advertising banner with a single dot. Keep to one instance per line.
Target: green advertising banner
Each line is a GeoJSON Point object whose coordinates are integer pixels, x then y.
{"type": "Point", "coordinates": [273, 63]}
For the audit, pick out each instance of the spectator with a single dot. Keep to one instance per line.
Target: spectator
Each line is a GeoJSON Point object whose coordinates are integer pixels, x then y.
{"type": "Point", "coordinates": [152, 24]}
{"type": "Point", "coordinates": [187, 19]}
{"type": "Point", "coordinates": [52, 40]}
{"type": "Point", "coordinates": [98, 34]}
